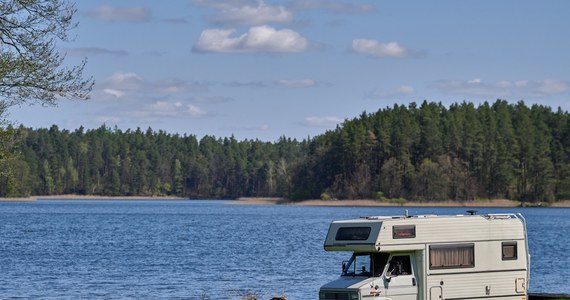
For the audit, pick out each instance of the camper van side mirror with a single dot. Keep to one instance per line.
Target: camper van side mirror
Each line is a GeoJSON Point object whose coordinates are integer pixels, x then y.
{"type": "Point", "coordinates": [343, 267]}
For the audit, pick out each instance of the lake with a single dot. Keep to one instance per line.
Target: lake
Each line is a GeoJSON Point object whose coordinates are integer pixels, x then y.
{"type": "Point", "coordinates": [108, 249]}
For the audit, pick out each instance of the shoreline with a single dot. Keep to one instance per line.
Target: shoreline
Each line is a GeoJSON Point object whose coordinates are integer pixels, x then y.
{"type": "Point", "coordinates": [498, 203]}
{"type": "Point", "coordinates": [90, 197]}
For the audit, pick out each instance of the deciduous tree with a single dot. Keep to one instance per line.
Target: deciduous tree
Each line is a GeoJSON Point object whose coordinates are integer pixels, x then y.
{"type": "Point", "coordinates": [32, 68]}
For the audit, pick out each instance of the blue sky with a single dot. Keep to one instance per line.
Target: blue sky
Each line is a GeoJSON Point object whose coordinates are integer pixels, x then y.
{"type": "Point", "coordinates": [264, 69]}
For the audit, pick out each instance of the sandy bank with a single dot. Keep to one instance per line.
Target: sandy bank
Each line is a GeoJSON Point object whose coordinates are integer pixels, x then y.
{"type": "Point", "coordinates": [369, 202]}
{"type": "Point", "coordinates": [490, 203]}
{"type": "Point", "coordinates": [89, 197]}
{"type": "Point", "coordinates": [26, 199]}
{"type": "Point", "coordinates": [92, 197]}
{"type": "Point", "coordinates": [259, 201]}
{"type": "Point", "coordinates": [565, 203]}
{"type": "Point", "coordinates": [283, 201]}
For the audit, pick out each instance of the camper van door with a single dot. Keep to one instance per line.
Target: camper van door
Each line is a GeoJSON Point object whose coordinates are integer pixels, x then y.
{"type": "Point", "coordinates": [400, 279]}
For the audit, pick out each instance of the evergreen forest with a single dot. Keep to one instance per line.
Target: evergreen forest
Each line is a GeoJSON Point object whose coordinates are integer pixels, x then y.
{"type": "Point", "coordinates": [419, 152]}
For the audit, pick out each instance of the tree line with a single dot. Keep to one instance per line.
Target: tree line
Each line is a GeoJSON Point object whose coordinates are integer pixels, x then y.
{"type": "Point", "coordinates": [430, 152]}
{"type": "Point", "coordinates": [422, 152]}
{"type": "Point", "coordinates": [111, 162]}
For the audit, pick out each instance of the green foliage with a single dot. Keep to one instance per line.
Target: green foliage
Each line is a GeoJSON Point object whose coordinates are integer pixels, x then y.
{"type": "Point", "coordinates": [31, 66]}
{"type": "Point", "coordinates": [326, 197]}
{"type": "Point", "coordinates": [417, 153]}
{"type": "Point", "coordinates": [112, 162]}
{"type": "Point", "coordinates": [379, 196]}
{"type": "Point", "coordinates": [400, 201]}
{"type": "Point", "coordinates": [32, 70]}
{"type": "Point", "coordinates": [430, 152]}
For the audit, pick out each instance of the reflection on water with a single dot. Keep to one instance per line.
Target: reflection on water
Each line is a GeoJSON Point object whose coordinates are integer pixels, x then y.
{"type": "Point", "coordinates": [205, 249]}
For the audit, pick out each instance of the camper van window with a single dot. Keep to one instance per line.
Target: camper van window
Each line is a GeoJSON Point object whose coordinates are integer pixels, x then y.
{"type": "Point", "coordinates": [369, 264]}
{"type": "Point", "coordinates": [358, 265]}
{"type": "Point", "coordinates": [451, 256]}
{"type": "Point", "coordinates": [399, 265]}
{"type": "Point", "coordinates": [404, 232]}
{"type": "Point", "coordinates": [379, 261]}
{"type": "Point", "coordinates": [352, 233]}
{"type": "Point", "coordinates": [509, 250]}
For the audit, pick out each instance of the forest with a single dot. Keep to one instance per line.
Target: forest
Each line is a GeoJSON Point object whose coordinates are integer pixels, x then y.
{"type": "Point", "coordinates": [419, 152]}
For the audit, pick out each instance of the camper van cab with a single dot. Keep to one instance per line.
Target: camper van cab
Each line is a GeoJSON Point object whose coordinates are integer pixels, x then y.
{"type": "Point", "coordinates": [430, 257]}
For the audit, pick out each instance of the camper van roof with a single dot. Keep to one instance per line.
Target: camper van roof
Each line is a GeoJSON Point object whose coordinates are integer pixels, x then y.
{"type": "Point", "coordinates": [387, 233]}
{"type": "Point", "coordinates": [487, 216]}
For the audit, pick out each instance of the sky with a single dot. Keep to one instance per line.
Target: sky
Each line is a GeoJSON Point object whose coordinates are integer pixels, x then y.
{"type": "Point", "coordinates": [297, 68]}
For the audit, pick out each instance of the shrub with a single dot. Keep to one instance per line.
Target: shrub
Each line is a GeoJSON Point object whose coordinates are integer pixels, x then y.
{"type": "Point", "coordinates": [400, 201]}
{"type": "Point", "coordinates": [379, 196]}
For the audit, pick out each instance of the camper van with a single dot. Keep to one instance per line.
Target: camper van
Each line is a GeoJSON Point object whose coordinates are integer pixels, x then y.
{"type": "Point", "coordinates": [430, 257]}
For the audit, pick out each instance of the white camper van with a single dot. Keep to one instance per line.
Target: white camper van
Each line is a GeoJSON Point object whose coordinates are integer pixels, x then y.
{"type": "Point", "coordinates": [430, 257]}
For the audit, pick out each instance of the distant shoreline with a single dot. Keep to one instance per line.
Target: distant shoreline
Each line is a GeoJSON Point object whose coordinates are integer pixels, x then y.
{"type": "Point", "coordinates": [90, 197]}
{"type": "Point", "coordinates": [282, 201]}
{"type": "Point", "coordinates": [374, 203]}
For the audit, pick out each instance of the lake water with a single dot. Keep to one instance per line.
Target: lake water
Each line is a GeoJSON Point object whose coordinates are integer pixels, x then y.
{"type": "Point", "coordinates": [207, 249]}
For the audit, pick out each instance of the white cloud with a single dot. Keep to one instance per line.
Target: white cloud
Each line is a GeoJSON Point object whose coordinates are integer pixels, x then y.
{"type": "Point", "coordinates": [257, 39]}
{"type": "Point", "coordinates": [472, 88]}
{"type": "Point", "coordinates": [247, 12]}
{"type": "Point", "coordinates": [250, 84]}
{"type": "Point", "coordinates": [334, 6]}
{"type": "Point", "coordinates": [253, 15]}
{"type": "Point", "coordinates": [400, 91]}
{"type": "Point", "coordinates": [218, 40]}
{"type": "Point", "coordinates": [123, 83]}
{"type": "Point", "coordinates": [504, 88]}
{"type": "Point", "coordinates": [223, 4]}
{"type": "Point", "coordinates": [142, 99]}
{"type": "Point", "coordinates": [301, 83]}
{"type": "Point", "coordinates": [166, 109]}
{"type": "Point", "coordinates": [120, 14]}
{"type": "Point", "coordinates": [210, 99]}
{"type": "Point", "coordinates": [195, 111]}
{"type": "Point", "coordinates": [115, 93]}
{"type": "Point", "coordinates": [118, 85]}
{"type": "Point", "coordinates": [405, 89]}
{"type": "Point", "coordinates": [177, 86]}
{"type": "Point", "coordinates": [130, 97]}
{"type": "Point", "coordinates": [322, 121]}
{"type": "Point", "coordinates": [120, 78]}
{"type": "Point", "coordinates": [92, 51]}
{"type": "Point", "coordinates": [550, 86]}
{"type": "Point", "coordinates": [378, 49]}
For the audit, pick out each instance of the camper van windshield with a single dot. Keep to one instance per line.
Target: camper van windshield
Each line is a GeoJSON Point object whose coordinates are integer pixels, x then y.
{"type": "Point", "coordinates": [365, 264]}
